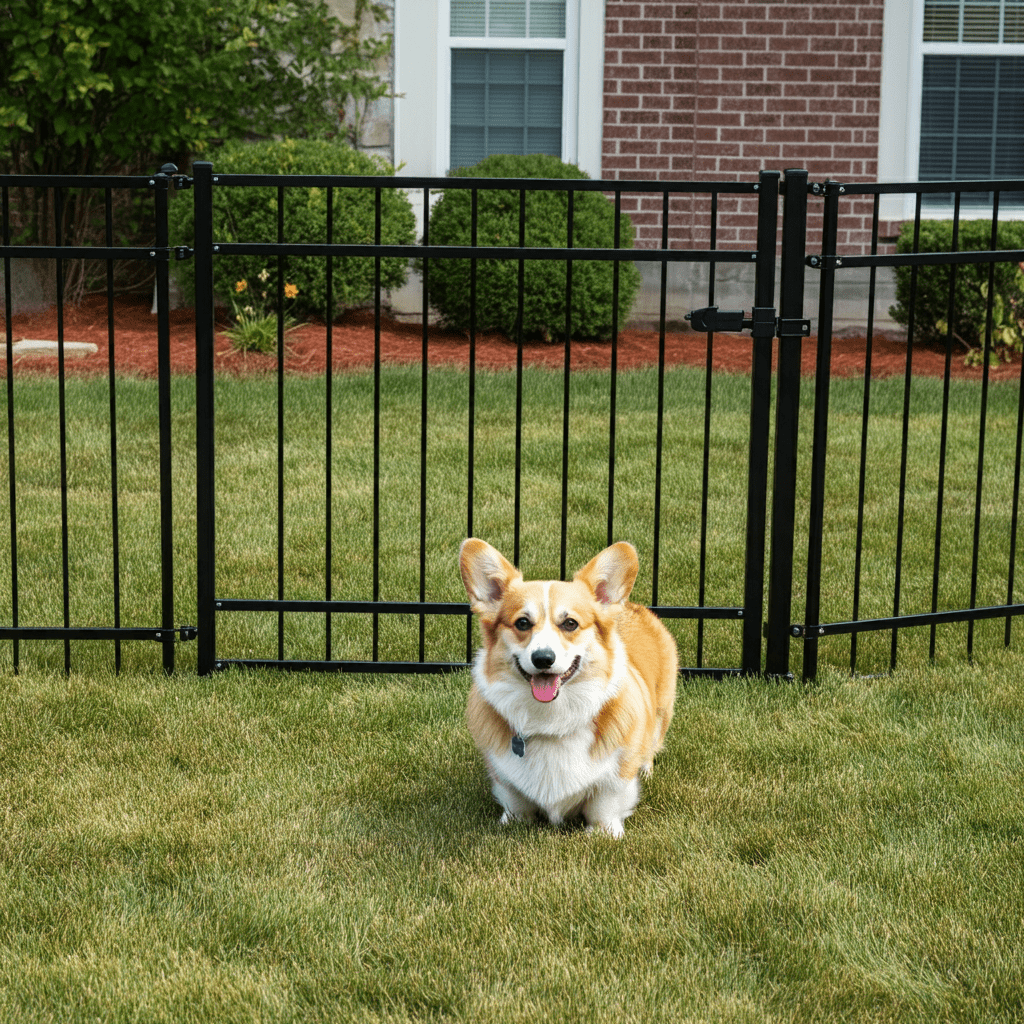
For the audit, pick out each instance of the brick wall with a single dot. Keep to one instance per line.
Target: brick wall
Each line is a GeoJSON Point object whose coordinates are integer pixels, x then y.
{"type": "Point", "coordinates": [719, 91]}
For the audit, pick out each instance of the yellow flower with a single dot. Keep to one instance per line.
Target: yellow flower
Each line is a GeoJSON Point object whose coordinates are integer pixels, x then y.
{"type": "Point", "coordinates": [290, 291]}
{"type": "Point", "coordinates": [240, 286]}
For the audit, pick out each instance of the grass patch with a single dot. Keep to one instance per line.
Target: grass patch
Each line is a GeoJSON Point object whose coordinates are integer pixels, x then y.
{"type": "Point", "coordinates": [258, 846]}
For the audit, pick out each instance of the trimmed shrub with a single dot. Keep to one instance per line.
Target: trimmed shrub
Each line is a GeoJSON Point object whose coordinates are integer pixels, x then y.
{"type": "Point", "coordinates": [250, 215]}
{"type": "Point", "coordinates": [970, 294]}
{"type": "Point", "coordinates": [497, 281]}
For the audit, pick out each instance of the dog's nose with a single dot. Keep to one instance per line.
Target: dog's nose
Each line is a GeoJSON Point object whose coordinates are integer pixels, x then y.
{"type": "Point", "coordinates": [543, 659]}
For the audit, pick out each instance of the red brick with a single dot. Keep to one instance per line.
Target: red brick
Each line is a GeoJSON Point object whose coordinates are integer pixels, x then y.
{"type": "Point", "coordinates": [640, 88]}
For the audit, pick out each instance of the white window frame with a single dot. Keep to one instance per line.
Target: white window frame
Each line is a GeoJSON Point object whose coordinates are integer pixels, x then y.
{"type": "Point", "coordinates": [569, 47]}
{"type": "Point", "coordinates": [903, 52]}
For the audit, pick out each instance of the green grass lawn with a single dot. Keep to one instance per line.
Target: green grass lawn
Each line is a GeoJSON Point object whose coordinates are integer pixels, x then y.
{"type": "Point", "coordinates": [273, 846]}
{"type": "Point", "coordinates": [260, 846]}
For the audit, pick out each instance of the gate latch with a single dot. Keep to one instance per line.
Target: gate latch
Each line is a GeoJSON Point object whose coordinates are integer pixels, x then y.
{"type": "Point", "coordinates": [762, 322]}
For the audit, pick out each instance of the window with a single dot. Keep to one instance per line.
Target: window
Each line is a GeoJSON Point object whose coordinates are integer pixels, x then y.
{"type": "Point", "coordinates": [508, 82]}
{"type": "Point", "coordinates": [972, 95]}
{"type": "Point", "coordinates": [480, 76]}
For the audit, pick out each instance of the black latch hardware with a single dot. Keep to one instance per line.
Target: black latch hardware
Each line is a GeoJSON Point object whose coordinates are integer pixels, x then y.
{"type": "Point", "coordinates": [183, 252]}
{"type": "Point", "coordinates": [762, 322]}
{"type": "Point", "coordinates": [181, 635]}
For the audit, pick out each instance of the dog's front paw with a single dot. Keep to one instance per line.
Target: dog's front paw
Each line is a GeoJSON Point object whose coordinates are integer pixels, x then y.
{"type": "Point", "coordinates": [614, 829]}
{"type": "Point", "coordinates": [509, 817]}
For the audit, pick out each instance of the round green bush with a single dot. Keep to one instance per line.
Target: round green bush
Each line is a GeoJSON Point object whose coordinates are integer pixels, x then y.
{"type": "Point", "coordinates": [250, 215]}
{"type": "Point", "coordinates": [970, 292]}
{"type": "Point", "coordinates": [497, 281]}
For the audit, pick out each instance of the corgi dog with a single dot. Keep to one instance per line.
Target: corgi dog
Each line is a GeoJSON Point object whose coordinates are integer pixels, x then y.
{"type": "Point", "coordinates": [573, 687]}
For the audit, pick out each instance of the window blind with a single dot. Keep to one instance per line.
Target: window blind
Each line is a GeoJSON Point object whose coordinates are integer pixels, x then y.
{"type": "Point", "coordinates": [505, 101]}
{"type": "Point", "coordinates": [974, 21]}
{"type": "Point", "coordinates": [508, 19]}
{"type": "Point", "coordinates": [972, 121]}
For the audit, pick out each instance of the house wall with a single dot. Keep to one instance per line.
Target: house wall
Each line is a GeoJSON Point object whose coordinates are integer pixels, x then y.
{"type": "Point", "coordinates": [719, 91]}
{"type": "Point", "coordinates": [378, 124]}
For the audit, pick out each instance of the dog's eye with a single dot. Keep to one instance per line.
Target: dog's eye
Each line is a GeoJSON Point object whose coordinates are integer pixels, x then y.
{"type": "Point", "coordinates": [522, 624]}
{"type": "Point", "coordinates": [570, 625]}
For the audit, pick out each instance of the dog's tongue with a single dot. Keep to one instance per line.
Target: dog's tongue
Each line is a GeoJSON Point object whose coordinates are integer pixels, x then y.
{"type": "Point", "coordinates": [545, 687]}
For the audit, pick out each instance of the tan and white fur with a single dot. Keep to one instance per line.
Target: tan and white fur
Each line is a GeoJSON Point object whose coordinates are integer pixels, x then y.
{"type": "Point", "coordinates": [573, 687]}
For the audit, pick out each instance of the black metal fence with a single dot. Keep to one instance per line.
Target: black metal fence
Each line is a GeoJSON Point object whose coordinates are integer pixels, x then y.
{"type": "Point", "coordinates": [788, 504]}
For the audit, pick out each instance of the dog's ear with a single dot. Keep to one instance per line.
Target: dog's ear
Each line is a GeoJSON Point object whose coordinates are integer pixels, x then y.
{"type": "Point", "coordinates": [612, 573]}
{"type": "Point", "coordinates": [486, 574]}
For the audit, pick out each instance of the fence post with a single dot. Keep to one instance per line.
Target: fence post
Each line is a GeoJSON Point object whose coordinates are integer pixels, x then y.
{"type": "Point", "coordinates": [760, 407]}
{"type": "Point", "coordinates": [202, 191]}
{"type": "Point", "coordinates": [787, 411]}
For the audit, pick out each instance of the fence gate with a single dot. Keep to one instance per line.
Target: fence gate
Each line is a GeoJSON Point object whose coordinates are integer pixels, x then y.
{"type": "Point", "coordinates": [370, 613]}
{"type": "Point", "coordinates": [948, 488]}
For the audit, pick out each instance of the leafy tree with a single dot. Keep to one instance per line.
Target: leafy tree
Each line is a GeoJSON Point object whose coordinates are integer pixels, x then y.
{"type": "Point", "coordinates": [104, 86]}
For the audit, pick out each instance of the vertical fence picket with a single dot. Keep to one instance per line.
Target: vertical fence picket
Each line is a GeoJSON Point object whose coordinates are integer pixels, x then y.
{"type": "Point", "coordinates": [702, 571]}
{"type": "Point", "coordinates": [983, 422]}
{"type": "Point", "coordinates": [940, 491]}
{"type": "Point", "coordinates": [822, 380]}
{"type": "Point", "coordinates": [901, 515]}
{"type": "Point", "coordinates": [423, 434]}
{"type": "Point", "coordinates": [115, 535]}
{"type": "Point", "coordinates": [12, 477]}
{"type": "Point", "coordinates": [206, 561]}
{"type": "Point", "coordinates": [471, 412]}
{"type": "Point", "coordinates": [659, 434]}
{"type": "Point", "coordinates": [62, 413]}
{"type": "Point", "coordinates": [329, 432]}
{"type": "Point", "coordinates": [565, 386]}
{"type": "Point", "coordinates": [376, 421]}
{"type": "Point", "coordinates": [518, 501]}
{"type": "Point", "coordinates": [614, 370]}
{"type": "Point", "coordinates": [162, 184]}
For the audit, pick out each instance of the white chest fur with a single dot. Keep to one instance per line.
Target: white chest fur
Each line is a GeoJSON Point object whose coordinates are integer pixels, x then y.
{"type": "Point", "coordinates": [557, 774]}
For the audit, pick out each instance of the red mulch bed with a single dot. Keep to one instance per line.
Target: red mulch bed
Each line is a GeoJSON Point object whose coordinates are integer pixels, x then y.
{"type": "Point", "coordinates": [353, 344]}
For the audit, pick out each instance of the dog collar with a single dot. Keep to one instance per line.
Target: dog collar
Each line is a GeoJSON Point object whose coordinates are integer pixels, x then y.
{"type": "Point", "coordinates": [518, 745]}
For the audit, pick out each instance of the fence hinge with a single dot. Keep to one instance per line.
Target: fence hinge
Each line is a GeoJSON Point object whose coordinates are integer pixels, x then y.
{"type": "Point", "coordinates": [762, 323]}
{"type": "Point", "coordinates": [824, 188]}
